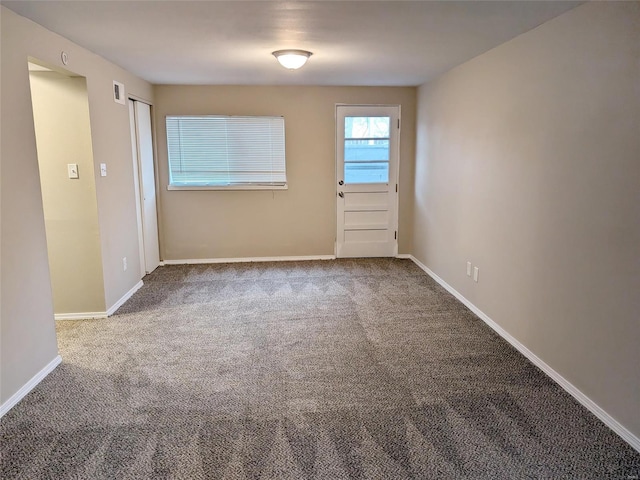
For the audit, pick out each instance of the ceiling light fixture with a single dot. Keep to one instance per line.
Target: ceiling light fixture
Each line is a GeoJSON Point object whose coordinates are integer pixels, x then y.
{"type": "Point", "coordinates": [292, 59]}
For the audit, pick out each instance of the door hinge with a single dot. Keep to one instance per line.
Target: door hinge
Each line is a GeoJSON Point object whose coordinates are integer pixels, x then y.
{"type": "Point", "coordinates": [398, 123]}
{"type": "Point", "coordinates": [396, 188]}
{"type": "Point", "coordinates": [395, 236]}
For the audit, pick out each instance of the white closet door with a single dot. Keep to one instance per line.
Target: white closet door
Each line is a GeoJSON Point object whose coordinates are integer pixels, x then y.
{"type": "Point", "coordinates": [146, 185]}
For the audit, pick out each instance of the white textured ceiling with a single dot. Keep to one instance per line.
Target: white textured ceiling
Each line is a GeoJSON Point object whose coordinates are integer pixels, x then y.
{"type": "Point", "coordinates": [230, 42]}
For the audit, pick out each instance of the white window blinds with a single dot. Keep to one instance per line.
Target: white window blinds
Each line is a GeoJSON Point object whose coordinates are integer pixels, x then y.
{"type": "Point", "coordinates": [220, 151]}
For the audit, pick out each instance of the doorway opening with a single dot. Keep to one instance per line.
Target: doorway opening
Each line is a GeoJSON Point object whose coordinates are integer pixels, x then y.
{"type": "Point", "coordinates": [62, 126]}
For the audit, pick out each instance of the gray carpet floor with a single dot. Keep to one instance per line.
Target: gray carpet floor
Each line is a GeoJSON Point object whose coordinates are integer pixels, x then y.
{"type": "Point", "coordinates": [348, 369]}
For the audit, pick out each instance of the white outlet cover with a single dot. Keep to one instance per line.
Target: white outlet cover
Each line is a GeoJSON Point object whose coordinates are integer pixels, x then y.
{"type": "Point", "coordinates": [468, 269]}
{"type": "Point", "coordinates": [476, 273]}
{"type": "Point", "coordinates": [103, 169]}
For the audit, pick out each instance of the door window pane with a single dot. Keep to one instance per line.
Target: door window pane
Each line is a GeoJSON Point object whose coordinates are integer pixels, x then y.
{"type": "Point", "coordinates": [366, 149]}
{"type": "Point", "coordinates": [361, 172]}
{"type": "Point", "coordinates": [366, 127]}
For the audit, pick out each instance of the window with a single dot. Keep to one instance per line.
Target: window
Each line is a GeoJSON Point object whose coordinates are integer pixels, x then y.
{"type": "Point", "coordinates": [209, 152]}
{"type": "Point", "coordinates": [366, 149]}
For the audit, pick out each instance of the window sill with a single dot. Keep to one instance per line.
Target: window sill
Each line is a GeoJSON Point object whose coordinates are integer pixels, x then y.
{"type": "Point", "coordinates": [228, 187]}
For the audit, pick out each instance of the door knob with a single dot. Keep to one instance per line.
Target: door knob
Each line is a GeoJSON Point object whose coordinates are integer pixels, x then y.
{"type": "Point", "coordinates": [341, 195]}
{"type": "Point", "coordinates": [341, 182]}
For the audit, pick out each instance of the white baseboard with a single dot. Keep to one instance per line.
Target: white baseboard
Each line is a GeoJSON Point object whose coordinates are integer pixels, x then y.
{"type": "Point", "coordinates": [80, 315]}
{"type": "Point", "coordinates": [94, 315]}
{"type": "Point", "coordinates": [406, 256]}
{"type": "Point", "coordinates": [27, 387]}
{"type": "Point", "coordinates": [585, 401]}
{"type": "Point", "coordinates": [124, 298]}
{"type": "Point", "coordinates": [194, 261]}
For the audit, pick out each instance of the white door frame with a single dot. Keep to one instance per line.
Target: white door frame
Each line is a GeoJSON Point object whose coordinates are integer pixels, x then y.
{"type": "Point", "coordinates": [375, 203]}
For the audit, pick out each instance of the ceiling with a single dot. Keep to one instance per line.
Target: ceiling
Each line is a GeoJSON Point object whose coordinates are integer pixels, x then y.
{"type": "Point", "coordinates": [230, 42]}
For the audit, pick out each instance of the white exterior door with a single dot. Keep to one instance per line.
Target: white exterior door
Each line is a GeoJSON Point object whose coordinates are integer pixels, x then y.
{"type": "Point", "coordinates": [367, 152]}
{"type": "Point", "coordinates": [145, 183]}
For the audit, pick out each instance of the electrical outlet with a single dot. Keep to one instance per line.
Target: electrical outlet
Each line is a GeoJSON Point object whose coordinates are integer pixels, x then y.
{"type": "Point", "coordinates": [103, 169]}
{"type": "Point", "coordinates": [468, 269]}
{"type": "Point", "coordinates": [124, 264]}
{"type": "Point", "coordinates": [476, 273]}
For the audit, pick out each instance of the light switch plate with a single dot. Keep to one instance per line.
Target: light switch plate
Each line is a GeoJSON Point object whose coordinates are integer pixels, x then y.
{"type": "Point", "coordinates": [72, 169]}
{"type": "Point", "coordinates": [103, 169]}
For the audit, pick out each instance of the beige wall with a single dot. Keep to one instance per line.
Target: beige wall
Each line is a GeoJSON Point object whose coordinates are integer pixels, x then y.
{"type": "Point", "coordinates": [298, 221]}
{"type": "Point", "coordinates": [528, 165]}
{"type": "Point", "coordinates": [27, 332]}
{"type": "Point", "coordinates": [63, 136]}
